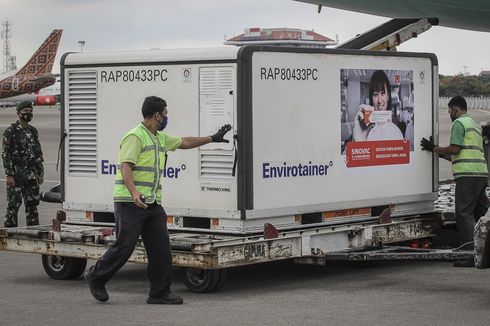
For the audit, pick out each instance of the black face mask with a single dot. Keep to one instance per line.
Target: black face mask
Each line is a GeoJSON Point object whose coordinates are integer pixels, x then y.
{"type": "Point", "coordinates": [26, 116]}
{"type": "Point", "coordinates": [453, 117]}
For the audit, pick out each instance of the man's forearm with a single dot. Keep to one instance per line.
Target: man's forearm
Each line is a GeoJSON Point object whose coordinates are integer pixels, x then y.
{"type": "Point", "coordinates": [40, 160]}
{"type": "Point", "coordinates": [8, 168]}
{"type": "Point", "coordinates": [7, 161]}
{"type": "Point", "coordinates": [193, 142]}
{"type": "Point", "coordinates": [446, 157]}
{"type": "Point", "coordinates": [127, 174]}
{"type": "Point", "coordinates": [449, 150]}
{"type": "Point", "coordinates": [39, 167]}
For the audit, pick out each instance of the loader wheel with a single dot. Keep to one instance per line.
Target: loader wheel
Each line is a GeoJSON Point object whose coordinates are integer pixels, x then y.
{"type": "Point", "coordinates": [63, 268]}
{"type": "Point", "coordinates": [204, 280]}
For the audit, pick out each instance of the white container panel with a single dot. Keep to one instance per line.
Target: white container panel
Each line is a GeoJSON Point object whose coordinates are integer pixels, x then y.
{"type": "Point", "coordinates": [297, 125]}
{"type": "Point", "coordinates": [119, 99]}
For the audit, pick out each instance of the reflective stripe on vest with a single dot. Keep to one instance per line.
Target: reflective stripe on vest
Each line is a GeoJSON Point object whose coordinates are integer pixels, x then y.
{"type": "Point", "coordinates": [147, 170]}
{"type": "Point", "coordinates": [470, 162]}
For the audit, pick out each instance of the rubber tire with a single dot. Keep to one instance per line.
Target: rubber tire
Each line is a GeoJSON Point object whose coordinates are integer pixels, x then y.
{"type": "Point", "coordinates": [63, 268]}
{"type": "Point", "coordinates": [222, 279]}
{"type": "Point", "coordinates": [200, 280]}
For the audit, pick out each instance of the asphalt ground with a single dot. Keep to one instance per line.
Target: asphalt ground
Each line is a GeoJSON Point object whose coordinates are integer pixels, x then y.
{"type": "Point", "coordinates": [404, 293]}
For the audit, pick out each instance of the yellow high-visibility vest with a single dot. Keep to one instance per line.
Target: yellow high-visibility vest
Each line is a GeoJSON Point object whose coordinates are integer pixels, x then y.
{"type": "Point", "coordinates": [470, 162]}
{"type": "Point", "coordinates": [147, 170]}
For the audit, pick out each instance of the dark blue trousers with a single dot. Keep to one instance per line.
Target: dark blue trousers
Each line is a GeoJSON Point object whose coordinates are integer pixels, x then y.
{"type": "Point", "coordinates": [131, 222]}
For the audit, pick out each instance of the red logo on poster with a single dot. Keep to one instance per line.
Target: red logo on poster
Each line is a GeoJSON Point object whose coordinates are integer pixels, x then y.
{"type": "Point", "coordinates": [380, 152]}
{"type": "Point", "coordinates": [397, 79]}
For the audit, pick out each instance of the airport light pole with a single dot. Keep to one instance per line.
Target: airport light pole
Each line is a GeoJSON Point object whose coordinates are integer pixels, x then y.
{"type": "Point", "coordinates": [82, 44]}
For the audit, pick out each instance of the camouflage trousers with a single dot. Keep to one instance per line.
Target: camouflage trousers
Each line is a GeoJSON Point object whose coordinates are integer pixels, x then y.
{"type": "Point", "coordinates": [29, 191]}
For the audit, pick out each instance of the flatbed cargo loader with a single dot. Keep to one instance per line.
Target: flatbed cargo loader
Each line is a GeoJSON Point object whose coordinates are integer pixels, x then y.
{"type": "Point", "coordinates": [293, 183]}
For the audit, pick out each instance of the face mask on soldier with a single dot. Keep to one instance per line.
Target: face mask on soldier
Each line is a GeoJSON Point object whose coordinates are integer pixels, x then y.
{"type": "Point", "coordinates": [27, 116]}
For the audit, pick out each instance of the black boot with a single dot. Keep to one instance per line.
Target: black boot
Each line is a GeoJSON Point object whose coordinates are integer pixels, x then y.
{"type": "Point", "coordinates": [168, 298]}
{"type": "Point", "coordinates": [9, 224]}
{"type": "Point", "coordinates": [464, 263]}
{"type": "Point", "coordinates": [96, 288]}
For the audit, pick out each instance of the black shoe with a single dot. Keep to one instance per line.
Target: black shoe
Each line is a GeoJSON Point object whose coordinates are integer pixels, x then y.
{"type": "Point", "coordinates": [169, 298]}
{"type": "Point", "coordinates": [98, 290]}
{"type": "Point", "coordinates": [464, 263]}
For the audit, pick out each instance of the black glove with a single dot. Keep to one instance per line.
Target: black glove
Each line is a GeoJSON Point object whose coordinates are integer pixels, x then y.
{"type": "Point", "coordinates": [427, 145]}
{"type": "Point", "coordinates": [218, 136]}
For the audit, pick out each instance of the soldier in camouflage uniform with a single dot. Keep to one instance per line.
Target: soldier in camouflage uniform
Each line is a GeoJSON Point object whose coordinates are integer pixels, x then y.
{"type": "Point", "coordinates": [23, 162]}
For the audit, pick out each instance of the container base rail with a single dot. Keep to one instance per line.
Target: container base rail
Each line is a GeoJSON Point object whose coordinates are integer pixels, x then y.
{"type": "Point", "coordinates": [65, 247]}
{"type": "Point", "coordinates": [401, 253]}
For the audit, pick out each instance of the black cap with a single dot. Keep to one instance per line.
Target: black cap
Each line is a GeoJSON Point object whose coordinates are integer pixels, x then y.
{"type": "Point", "coordinates": [23, 105]}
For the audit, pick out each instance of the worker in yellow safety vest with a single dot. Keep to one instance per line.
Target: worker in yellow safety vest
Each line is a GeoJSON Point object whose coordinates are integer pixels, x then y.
{"type": "Point", "coordinates": [465, 151]}
{"type": "Point", "coordinates": [137, 203]}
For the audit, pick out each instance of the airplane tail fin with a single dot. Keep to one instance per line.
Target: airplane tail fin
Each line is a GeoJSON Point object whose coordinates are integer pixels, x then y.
{"type": "Point", "coordinates": [42, 60]}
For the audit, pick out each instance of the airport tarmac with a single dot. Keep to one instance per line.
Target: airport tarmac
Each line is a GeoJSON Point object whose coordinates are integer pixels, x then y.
{"type": "Point", "coordinates": [404, 293]}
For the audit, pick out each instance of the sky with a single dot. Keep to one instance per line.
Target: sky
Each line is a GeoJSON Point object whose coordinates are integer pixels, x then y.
{"type": "Point", "coordinates": [107, 25]}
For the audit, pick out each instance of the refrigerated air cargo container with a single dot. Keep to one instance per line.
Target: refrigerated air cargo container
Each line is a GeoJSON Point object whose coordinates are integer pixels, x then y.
{"type": "Point", "coordinates": [298, 152]}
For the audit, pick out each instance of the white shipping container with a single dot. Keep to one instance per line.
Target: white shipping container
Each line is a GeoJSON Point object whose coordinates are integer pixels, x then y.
{"type": "Point", "coordinates": [297, 159]}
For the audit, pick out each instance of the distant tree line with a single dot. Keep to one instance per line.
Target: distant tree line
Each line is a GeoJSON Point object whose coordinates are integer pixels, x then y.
{"type": "Point", "coordinates": [468, 86]}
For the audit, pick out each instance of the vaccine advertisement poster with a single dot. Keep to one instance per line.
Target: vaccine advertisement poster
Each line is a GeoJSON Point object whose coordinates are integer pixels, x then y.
{"type": "Point", "coordinates": [377, 117]}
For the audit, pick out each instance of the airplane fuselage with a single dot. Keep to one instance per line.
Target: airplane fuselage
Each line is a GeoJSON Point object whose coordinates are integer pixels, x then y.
{"type": "Point", "coordinates": [16, 85]}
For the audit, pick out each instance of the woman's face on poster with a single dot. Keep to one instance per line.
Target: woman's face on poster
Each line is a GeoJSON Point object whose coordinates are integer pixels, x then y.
{"type": "Point", "coordinates": [380, 99]}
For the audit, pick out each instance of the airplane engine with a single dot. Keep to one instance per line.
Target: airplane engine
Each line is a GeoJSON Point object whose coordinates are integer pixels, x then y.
{"type": "Point", "coordinates": [45, 100]}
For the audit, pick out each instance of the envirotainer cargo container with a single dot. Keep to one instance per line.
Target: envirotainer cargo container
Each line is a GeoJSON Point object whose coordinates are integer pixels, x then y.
{"type": "Point", "coordinates": [315, 139]}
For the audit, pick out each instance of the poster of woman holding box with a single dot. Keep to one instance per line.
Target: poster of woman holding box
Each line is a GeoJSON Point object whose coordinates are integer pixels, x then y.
{"type": "Point", "coordinates": [377, 116]}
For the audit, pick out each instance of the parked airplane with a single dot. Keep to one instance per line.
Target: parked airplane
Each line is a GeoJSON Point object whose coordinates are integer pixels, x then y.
{"type": "Point", "coordinates": [49, 95]}
{"type": "Point", "coordinates": [36, 73]}
{"type": "Point", "coordinates": [463, 14]}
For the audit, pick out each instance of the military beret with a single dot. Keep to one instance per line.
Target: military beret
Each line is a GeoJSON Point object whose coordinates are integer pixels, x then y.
{"type": "Point", "coordinates": [23, 105]}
